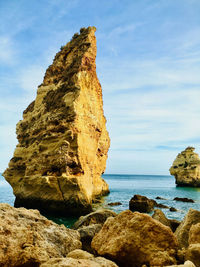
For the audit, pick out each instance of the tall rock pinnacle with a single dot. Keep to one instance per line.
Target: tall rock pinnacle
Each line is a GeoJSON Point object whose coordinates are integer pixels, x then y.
{"type": "Point", "coordinates": [63, 141]}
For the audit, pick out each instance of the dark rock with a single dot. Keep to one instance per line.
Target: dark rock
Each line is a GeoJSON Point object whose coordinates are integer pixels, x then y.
{"type": "Point", "coordinates": [141, 204]}
{"type": "Point", "coordinates": [114, 203]}
{"type": "Point", "coordinates": [96, 217]}
{"type": "Point", "coordinates": [174, 224]}
{"type": "Point", "coordinates": [162, 206]}
{"type": "Point", "coordinates": [172, 209]}
{"type": "Point", "coordinates": [87, 233]}
{"type": "Point", "coordinates": [161, 198]}
{"type": "Point", "coordinates": [184, 199]}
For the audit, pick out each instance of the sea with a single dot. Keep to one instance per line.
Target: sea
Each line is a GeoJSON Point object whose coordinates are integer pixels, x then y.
{"type": "Point", "coordinates": [123, 188]}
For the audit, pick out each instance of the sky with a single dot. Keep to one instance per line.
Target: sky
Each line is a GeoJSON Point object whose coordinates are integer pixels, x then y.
{"type": "Point", "coordinates": [148, 63]}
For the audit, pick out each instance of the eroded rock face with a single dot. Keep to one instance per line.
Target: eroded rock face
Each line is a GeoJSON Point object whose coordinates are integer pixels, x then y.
{"type": "Point", "coordinates": [79, 258]}
{"type": "Point", "coordinates": [182, 232]}
{"type": "Point", "coordinates": [133, 239]}
{"type": "Point", "coordinates": [29, 239]}
{"type": "Point", "coordinates": [186, 168]}
{"type": "Point", "coordinates": [63, 141]}
{"type": "Point", "coordinates": [193, 251]}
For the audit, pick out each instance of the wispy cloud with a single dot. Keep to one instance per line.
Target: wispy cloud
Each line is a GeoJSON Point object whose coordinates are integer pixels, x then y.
{"type": "Point", "coordinates": [148, 63]}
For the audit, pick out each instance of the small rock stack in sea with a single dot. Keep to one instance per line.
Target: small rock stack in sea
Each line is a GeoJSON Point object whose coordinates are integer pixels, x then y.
{"type": "Point", "coordinates": [186, 168]}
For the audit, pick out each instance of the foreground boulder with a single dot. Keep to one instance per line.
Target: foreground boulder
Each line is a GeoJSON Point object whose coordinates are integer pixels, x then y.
{"type": "Point", "coordinates": [133, 239]}
{"type": "Point", "coordinates": [91, 224]}
{"type": "Point", "coordinates": [28, 239]}
{"type": "Point", "coordinates": [182, 232]}
{"type": "Point", "coordinates": [79, 258]}
{"type": "Point", "coordinates": [186, 168]}
{"type": "Point", "coordinates": [193, 251]}
{"type": "Point", "coordinates": [87, 233]}
{"type": "Point", "coordinates": [63, 141]}
{"type": "Point", "coordinates": [186, 264]}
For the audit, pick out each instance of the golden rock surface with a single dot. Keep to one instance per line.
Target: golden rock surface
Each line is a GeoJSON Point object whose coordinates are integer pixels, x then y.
{"type": "Point", "coordinates": [135, 239]}
{"type": "Point", "coordinates": [63, 141]}
{"type": "Point", "coordinates": [28, 239]}
{"type": "Point", "coordinates": [186, 168]}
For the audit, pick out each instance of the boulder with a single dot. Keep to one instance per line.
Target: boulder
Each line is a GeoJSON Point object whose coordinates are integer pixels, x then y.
{"type": "Point", "coordinates": [182, 232]}
{"type": "Point", "coordinates": [160, 198]}
{"type": "Point", "coordinates": [29, 239]}
{"type": "Point", "coordinates": [96, 217]}
{"type": "Point", "coordinates": [172, 209]}
{"type": "Point", "coordinates": [79, 258]}
{"type": "Point", "coordinates": [186, 168]}
{"type": "Point", "coordinates": [141, 204]}
{"type": "Point", "coordinates": [62, 138]}
{"type": "Point", "coordinates": [193, 251]}
{"type": "Point", "coordinates": [184, 199]}
{"type": "Point", "coordinates": [186, 264]}
{"type": "Point", "coordinates": [160, 216]}
{"type": "Point", "coordinates": [193, 254]}
{"type": "Point", "coordinates": [87, 233]}
{"type": "Point", "coordinates": [162, 206]}
{"type": "Point", "coordinates": [114, 203]}
{"type": "Point", "coordinates": [194, 234]}
{"type": "Point", "coordinates": [133, 239]}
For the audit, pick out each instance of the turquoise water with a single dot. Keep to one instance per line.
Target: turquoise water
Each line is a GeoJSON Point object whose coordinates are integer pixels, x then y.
{"type": "Point", "coordinates": [123, 187]}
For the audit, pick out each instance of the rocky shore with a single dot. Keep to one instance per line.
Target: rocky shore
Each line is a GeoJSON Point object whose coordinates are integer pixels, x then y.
{"type": "Point", "coordinates": [99, 239]}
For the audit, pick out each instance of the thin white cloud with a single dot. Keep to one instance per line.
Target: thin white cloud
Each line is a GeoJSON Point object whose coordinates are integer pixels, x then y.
{"type": "Point", "coordinates": [7, 51]}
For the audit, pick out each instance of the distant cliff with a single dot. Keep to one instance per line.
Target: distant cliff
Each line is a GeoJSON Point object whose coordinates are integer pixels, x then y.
{"type": "Point", "coordinates": [63, 141]}
{"type": "Point", "coordinates": [186, 168]}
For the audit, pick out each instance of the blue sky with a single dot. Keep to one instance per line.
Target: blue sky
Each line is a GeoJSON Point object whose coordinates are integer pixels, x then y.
{"type": "Point", "coordinates": [148, 63]}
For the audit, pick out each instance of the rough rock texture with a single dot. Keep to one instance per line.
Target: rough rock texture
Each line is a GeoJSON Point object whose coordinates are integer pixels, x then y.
{"type": "Point", "coordinates": [96, 217]}
{"type": "Point", "coordinates": [193, 251]}
{"type": "Point", "coordinates": [87, 233]}
{"type": "Point", "coordinates": [141, 204]}
{"type": "Point", "coordinates": [186, 168]}
{"type": "Point", "coordinates": [133, 239]}
{"type": "Point", "coordinates": [160, 216]}
{"type": "Point", "coordinates": [182, 232]}
{"type": "Point", "coordinates": [79, 258]}
{"type": "Point", "coordinates": [193, 254]}
{"type": "Point", "coordinates": [186, 264]}
{"type": "Point", "coordinates": [28, 239]}
{"type": "Point", "coordinates": [63, 141]}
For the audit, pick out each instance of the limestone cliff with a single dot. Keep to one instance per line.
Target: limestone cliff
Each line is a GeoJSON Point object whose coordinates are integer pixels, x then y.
{"type": "Point", "coordinates": [186, 168]}
{"type": "Point", "coordinates": [63, 141]}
